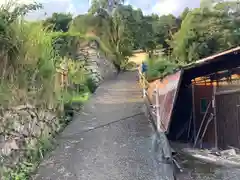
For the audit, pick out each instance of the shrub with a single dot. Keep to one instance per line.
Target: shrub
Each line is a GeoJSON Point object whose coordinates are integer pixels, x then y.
{"type": "Point", "coordinates": [159, 67]}
{"type": "Point", "coordinates": [91, 85]}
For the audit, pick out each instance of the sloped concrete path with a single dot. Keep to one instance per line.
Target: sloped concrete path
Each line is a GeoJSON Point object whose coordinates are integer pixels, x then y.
{"type": "Point", "coordinates": [112, 140]}
{"type": "Point", "coordinates": [109, 140]}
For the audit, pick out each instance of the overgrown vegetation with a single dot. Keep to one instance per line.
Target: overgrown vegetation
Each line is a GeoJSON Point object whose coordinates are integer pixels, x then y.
{"type": "Point", "coordinates": [34, 154]}
{"type": "Point", "coordinates": [204, 31]}
{"type": "Point", "coordinates": [31, 56]}
{"type": "Point", "coordinates": [194, 34]}
{"type": "Point", "coordinates": [31, 59]}
{"type": "Point", "coordinates": [27, 61]}
{"type": "Point", "coordinates": [158, 67]}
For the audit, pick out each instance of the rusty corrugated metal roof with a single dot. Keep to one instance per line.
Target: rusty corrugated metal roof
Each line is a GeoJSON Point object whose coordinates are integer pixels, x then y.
{"type": "Point", "coordinates": [167, 94]}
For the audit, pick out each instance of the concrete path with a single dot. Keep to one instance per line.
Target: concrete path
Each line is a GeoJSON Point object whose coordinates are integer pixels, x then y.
{"type": "Point", "coordinates": [112, 140]}
{"type": "Point", "coordinates": [109, 140]}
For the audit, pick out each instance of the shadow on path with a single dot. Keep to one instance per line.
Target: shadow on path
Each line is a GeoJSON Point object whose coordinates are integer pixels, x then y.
{"type": "Point", "coordinates": [109, 140]}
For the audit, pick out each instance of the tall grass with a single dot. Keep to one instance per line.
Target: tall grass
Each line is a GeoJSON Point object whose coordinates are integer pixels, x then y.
{"type": "Point", "coordinates": [29, 65]}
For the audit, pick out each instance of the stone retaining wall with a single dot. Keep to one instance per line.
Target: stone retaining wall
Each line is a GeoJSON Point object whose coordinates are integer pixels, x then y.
{"type": "Point", "coordinates": [98, 66]}
{"type": "Point", "coordinates": [20, 130]}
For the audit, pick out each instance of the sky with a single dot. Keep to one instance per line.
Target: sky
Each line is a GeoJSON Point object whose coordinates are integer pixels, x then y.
{"type": "Point", "coordinates": [75, 7]}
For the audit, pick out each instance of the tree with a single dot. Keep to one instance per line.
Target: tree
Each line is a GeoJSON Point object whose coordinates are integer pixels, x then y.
{"type": "Point", "coordinates": [159, 31]}
{"type": "Point", "coordinates": [8, 16]}
{"type": "Point", "coordinates": [206, 31]}
{"type": "Point", "coordinates": [90, 23]}
{"type": "Point", "coordinates": [81, 23]}
{"type": "Point", "coordinates": [119, 26]}
{"type": "Point", "coordinates": [184, 13]}
{"type": "Point", "coordinates": [102, 6]}
{"type": "Point", "coordinates": [209, 3]}
{"type": "Point", "coordinates": [148, 31]}
{"type": "Point", "coordinates": [58, 22]}
{"type": "Point", "coordinates": [137, 29]}
{"type": "Point", "coordinates": [119, 34]}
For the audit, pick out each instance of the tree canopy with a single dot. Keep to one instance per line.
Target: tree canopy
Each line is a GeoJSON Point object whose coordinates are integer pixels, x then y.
{"type": "Point", "coordinates": [207, 31]}
{"type": "Point", "coordinates": [194, 34]}
{"type": "Point", "coordinates": [58, 22]}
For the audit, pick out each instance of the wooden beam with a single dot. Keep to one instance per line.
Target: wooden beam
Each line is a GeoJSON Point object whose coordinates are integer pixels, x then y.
{"type": "Point", "coordinates": [206, 126]}
{"type": "Point", "coordinates": [193, 110]}
{"type": "Point", "coordinates": [204, 117]}
{"type": "Point", "coordinates": [226, 92]}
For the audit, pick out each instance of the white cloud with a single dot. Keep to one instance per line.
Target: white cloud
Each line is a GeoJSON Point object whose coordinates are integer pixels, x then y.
{"type": "Point", "coordinates": [52, 6]}
{"type": "Point", "coordinates": [71, 9]}
{"type": "Point", "coordinates": [173, 6]}
{"type": "Point", "coordinates": [49, 7]}
{"type": "Point", "coordinates": [166, 7]}
{"type": "Point", "coordinates": [133, 6]}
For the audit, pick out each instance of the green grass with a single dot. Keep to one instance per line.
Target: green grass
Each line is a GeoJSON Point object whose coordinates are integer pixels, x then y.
{"type": "Point", "coordinates": [81, 98]}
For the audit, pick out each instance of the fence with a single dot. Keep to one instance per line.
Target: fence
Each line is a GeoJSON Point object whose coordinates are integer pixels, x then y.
{"type": "Point", "coordinates": [160, 96]}
{"type": "Point", "coordinates": [152, 110]}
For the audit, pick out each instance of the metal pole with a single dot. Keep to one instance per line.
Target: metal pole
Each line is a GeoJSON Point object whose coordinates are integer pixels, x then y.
{"type": "Point", "coordinates": [157, 109]}
{"type": "Point", "coordinates": [144, 86]}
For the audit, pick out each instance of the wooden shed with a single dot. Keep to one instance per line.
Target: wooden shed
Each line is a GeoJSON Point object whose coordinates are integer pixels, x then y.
{"type": "Point", "coordinates": [205, 107]}
{"type": "Point", "coordinates": [211, 89]}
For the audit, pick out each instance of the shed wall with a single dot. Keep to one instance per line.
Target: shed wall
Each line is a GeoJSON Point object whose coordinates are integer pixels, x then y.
{"type": "Point", "coordinates": [227, 112]}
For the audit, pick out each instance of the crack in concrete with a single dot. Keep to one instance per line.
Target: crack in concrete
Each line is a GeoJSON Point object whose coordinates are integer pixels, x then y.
{"type": "Point", "coordinates": [101, 126]}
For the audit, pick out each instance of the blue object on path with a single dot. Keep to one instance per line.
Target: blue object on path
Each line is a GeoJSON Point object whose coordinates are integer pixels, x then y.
{"type": "Point", "coordinates": [144, 67]}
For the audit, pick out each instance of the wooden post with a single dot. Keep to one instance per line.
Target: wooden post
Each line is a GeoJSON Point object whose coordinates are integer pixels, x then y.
{"type": "Point", "coordinates": [144, 90]}
{"type": "Point", "coordinates": [144, 87]}
{"type": "Point", "coordinates": [215, 117]}
{"type": "Point", "coordinates": [206, 126]}
{"type": "Point", "coordinates": [189, 126]}
{"type": "Point", "coordinates": [193, 111]}
{"type": "Point", "coordinates": [204, 117]}
{"type": "Point", "coordinates": [185, 127]}
{"type": "Point", "coordinates": [142, 82]}
{"type": "Point", "coordinates": [157, 109]}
